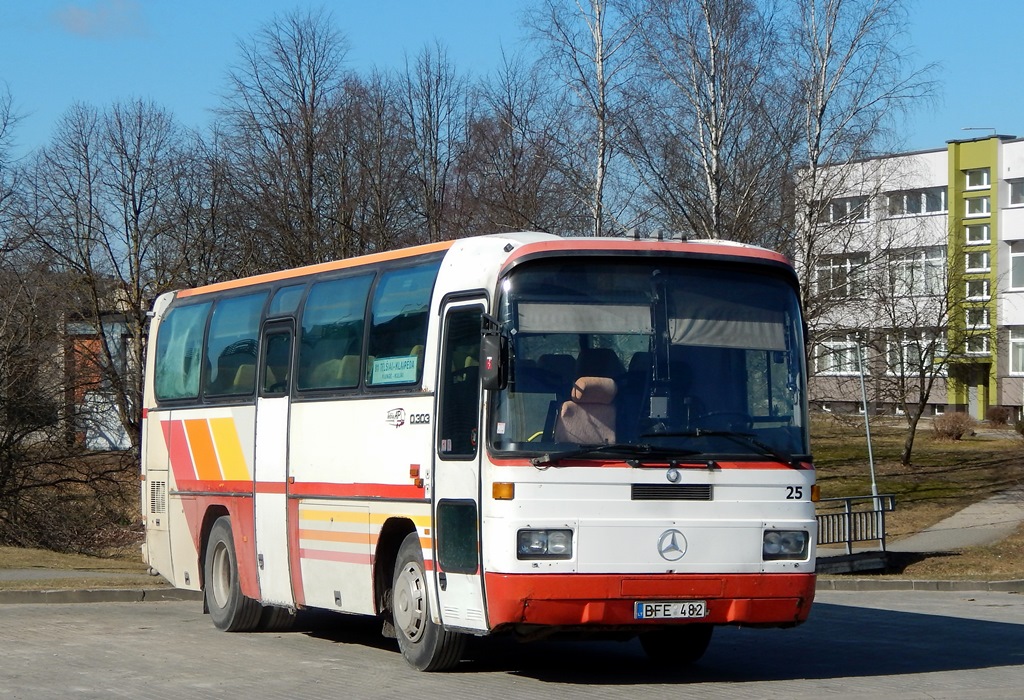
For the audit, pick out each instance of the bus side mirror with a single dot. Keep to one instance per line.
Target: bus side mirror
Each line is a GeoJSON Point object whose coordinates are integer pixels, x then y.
{"type": "Point", "coordinates": [493, 356]}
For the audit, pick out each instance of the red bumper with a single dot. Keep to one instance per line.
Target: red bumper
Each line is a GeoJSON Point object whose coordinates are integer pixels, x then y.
{"type": "Point", "coordinates": [573, 600]}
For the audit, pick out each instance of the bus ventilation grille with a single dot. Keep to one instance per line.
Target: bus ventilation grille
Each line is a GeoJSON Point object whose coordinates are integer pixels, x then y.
{"type": "Point", "coordinates": [671, 492]}
{"type": "Point", "coordinates": [157, 497]}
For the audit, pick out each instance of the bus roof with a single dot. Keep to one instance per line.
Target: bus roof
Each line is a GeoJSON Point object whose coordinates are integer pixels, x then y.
{"type": "Point", "coordinates": [527, 245]}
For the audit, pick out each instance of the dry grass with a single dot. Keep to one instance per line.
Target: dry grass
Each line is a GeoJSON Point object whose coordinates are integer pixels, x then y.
{"type": "Point", "coordinates": [122, 569]}
{"type": "Point", "coordinates": [945, 477]}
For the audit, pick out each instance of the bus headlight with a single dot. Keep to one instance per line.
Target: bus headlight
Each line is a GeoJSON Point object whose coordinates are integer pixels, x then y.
{"type": "Point", "coordinates": [784, 544]}
{"type": "Point", "coordinates": [544, 544]}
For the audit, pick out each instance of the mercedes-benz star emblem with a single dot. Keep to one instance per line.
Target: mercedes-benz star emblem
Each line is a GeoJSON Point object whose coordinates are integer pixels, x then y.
{"type": "Point", "coordinates": [672, 545]}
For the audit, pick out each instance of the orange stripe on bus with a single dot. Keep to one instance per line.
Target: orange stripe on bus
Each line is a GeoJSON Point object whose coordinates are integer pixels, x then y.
{"type": "Point", "coordinates": [315, 269]}
{"type": "Point", "coordinates": [229, 449]}
{"type": "Point", "coordinates": [203, 453]}
{"type": "Point", "coordinates": [343, 557]}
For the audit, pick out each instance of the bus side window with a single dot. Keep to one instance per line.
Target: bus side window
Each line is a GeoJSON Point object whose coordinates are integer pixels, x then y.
{"type": "Point", "coordinates": [332, 333]}
{"type": "Point", "coordinates": [179, 352]}
{"type": "Point", "coordinates": [398, 325]}
{"type": "Point", "coordinates": [231, 345]}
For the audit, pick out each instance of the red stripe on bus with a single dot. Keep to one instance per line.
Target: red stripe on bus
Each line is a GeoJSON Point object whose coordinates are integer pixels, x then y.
{"type": "Point", "coordinates": [682, 464]}
{"type": "Point", "coordinates": [391, 491]}
{"type": "Point", "coordinates": [178, 452]}
{"type": "Point", "coordinates": [575, 246]}
{"type": "Point", "coordinates": [304, 490]}
{"type": "Point", "coordinates": [270, 487]}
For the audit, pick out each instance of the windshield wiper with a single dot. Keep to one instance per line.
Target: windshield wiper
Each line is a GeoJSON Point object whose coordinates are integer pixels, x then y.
{"type": "Point", "coordinates": [746, 439]}
{"type": "Point", "coordinates": [628, 448]}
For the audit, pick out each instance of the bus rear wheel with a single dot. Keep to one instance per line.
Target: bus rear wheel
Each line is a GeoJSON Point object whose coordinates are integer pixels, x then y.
{"type": "Point", "coordinates": [681, 645]}
{"type": "Point", "coordinates": [426, 645]}
{"type": "Point", "coordinates": [229, 609]}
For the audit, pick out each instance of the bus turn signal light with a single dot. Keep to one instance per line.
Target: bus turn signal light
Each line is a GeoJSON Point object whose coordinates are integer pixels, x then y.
{"type": "Point", "coordinates": [503, 491]}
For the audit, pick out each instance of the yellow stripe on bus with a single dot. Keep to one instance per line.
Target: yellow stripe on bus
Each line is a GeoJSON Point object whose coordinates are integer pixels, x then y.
{"type": "Point", "coordinates": [360, 516]}
{"type": "Point", "coordinates": [229, 449]}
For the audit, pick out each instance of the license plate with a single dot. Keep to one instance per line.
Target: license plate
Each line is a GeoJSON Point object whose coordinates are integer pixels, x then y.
{"type": "Point", "coordinates": [669, 609]}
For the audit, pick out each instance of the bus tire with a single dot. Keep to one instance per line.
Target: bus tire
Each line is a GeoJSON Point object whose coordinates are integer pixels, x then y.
{"type": "Point", "coordinates": [229, 609]}
{"type": "Point", "coordinates": [681, 645]}
{"type": "Point", "coordinates": [276, 619]}
{"type": "Point", "coordinates": [426, 645]}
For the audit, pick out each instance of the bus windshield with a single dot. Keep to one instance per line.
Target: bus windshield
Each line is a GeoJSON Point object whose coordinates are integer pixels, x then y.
{"type": "Point", "coordinates": [651, 359]}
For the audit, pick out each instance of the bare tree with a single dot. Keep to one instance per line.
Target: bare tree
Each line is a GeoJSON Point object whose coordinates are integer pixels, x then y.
{"type": "Point", "coordinates": [384, 161]}
{"type": "Point", "coordinates": [281, 122]}
{"type": "Point", "coordinates": [97, 214]}
{"type": "Point", "coordinates": [511, 165]}
{"type": "Point", "coordinates": [589, 46]}
{"type": "Point", "coordinates": [713, 137]}
{"type": "Point", "coordinates": [852, 80]}
{"type": "Point", "coordinates": [435, 115]}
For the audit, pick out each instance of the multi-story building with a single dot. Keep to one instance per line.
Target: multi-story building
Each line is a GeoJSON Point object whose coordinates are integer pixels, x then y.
{"type": "Point", "coordinates": [917, 262]}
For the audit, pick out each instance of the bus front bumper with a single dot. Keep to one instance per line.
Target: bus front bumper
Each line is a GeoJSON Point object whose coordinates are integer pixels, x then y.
{"type": "Point", "coordinates": [609, 601]}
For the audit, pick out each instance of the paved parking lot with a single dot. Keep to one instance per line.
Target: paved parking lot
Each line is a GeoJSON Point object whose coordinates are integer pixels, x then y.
{"type": "Point", "coordinates": [909, 644]}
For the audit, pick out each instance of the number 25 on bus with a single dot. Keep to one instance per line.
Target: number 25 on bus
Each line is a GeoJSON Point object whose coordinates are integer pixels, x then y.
{"type": "Point", "coordinates": [516, 433]}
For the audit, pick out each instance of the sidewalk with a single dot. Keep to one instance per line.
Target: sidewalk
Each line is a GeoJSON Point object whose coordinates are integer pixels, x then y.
{"type": "Point", "coordinates": [983, 523]}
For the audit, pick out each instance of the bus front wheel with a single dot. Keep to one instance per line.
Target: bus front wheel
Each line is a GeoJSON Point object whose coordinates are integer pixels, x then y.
{"type": "Point", "coordinates": [229, 609]}
{"type": "Point", "coordinates": [426, 645]}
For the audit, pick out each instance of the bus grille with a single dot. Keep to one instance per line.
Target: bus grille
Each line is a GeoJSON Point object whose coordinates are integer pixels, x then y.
{"type": "Point", "coordinates": [671, 492]}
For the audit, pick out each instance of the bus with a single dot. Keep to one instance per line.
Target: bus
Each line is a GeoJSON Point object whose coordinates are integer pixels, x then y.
{"type": "Point", "coordinates": [512, 433]}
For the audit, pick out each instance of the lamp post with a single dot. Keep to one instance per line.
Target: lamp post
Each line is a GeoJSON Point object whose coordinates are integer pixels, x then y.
{"type": "Point", "coordinates": [867, 423]}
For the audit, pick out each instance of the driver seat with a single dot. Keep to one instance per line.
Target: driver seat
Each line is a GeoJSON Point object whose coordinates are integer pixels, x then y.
{"type": "Point", "coordinates": [588, 417]}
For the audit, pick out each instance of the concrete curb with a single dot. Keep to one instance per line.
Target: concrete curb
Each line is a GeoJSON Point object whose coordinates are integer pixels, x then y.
{"type": "Point", "coordinates": [99, 595]}
{"type": "Point", "coordinates": [862, 584]}
{"type": "Point", "coordinates": [151, 595]}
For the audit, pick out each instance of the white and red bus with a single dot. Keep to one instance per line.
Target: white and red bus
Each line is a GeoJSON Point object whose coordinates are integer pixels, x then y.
{"type": "Point", "coordinates": [513, 433]}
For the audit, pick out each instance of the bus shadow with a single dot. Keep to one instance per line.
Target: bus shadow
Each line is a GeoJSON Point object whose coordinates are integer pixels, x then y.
{"type": "Point", "coordinates": [837, 642]}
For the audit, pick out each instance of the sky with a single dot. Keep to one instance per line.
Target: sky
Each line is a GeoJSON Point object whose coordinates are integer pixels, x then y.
{"type": "Point", "coordinates": [56, 53]}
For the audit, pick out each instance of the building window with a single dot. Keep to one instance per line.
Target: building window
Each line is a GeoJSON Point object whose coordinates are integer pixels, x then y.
{"type": "Point", "coordinates": [841, 275]}
{"type": "Point", "coordinates": [977, 290]}
{"type": "Point", "coordinates": [1017, 267]}
{"type": "Point", "coordinates": [909, 352]}
{"type": "Point", "coordinates": [977, 179]}
{"type": "Point", "coordinates": [977, 234]}
{"type": "Point", "coordinates": [849, 209]}
{"type": "Point", "coordinates": [978, 261]}
{"type": "Point", "coordinates": [977, 317]}
{"type": "Point", "coordinates": [977, 206]}
{"type": "Point", "coordinates": [837, 354]}
{"type": "Point", "coordinates": [977, 345]}
{"type": "Point", "coordinates": [1017, 351]}
{"type": "Point", "coordinates": [1017, 193]}
{"type": "Point", "coordinates": [918, 272]}
{"type": "Point", "coordinates": [914, 202]}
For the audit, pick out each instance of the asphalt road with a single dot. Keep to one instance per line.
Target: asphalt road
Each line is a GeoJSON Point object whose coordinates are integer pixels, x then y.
{"type": "Point", "coordinates": [909, 644]}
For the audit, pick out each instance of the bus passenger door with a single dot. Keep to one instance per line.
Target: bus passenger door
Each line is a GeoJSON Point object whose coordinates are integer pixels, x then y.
{"type": "Point", "coordinates": [271, 465]}
{"type": "Point", "coordinates": [456, 475]}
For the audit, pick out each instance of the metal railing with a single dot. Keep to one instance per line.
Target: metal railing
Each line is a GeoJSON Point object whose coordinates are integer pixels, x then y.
{"type": "Point", "coordinates": [854, 519]}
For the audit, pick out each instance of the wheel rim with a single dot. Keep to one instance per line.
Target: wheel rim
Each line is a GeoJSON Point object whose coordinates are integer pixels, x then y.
{"type": "Point", "coordinates": [221, 575]}
{"type": "Point", "coordinates": [410, 602]}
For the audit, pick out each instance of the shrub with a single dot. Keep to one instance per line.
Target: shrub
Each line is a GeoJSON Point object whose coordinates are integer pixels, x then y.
{"type": "Point", "coordinates": [998, 415]}
{"type": "Point", "coordinates": [953, 426]}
